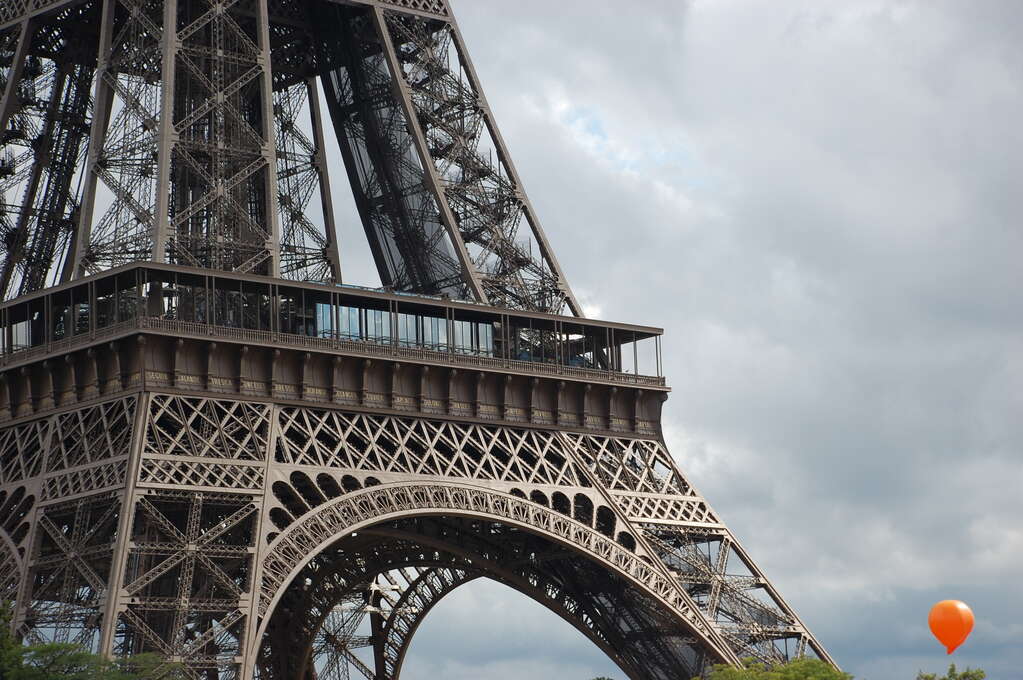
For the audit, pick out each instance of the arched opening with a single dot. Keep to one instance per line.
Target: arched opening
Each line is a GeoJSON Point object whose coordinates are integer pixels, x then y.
{"type": "Point", "coordinates": [328, 485]}
{"type": "Point", "coordinates": [372, 573]}
{"type": "Point", "coordinates": [560, 503]}
{"type": "Point", "coordinates": [538, 497]}
{"type": "Point", "coordinates": [485, 627]}
{"type": "Point", "coordinates": [310, 492]}
{"type": "Point", "coordinates": [583, 509]}
{"type": "Point", "coordinates": [280, 518]}
{"type": "Point", "coordinates": [605, 521]}
{"type": "Point", "coordinates": [289, 499]}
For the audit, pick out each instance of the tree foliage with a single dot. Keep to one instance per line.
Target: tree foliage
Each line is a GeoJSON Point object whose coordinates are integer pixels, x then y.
{"type": "Point", "coordinates": [800, 669]}
{"type": "Point", "coordinates": [968, 674]}
{"type": "Point", "coordinates": [62, 661]}
{"type": "Point", "coordinates": [814, 669]}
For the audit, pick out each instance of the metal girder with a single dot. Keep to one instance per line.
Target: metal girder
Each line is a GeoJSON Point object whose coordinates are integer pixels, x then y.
{"type": "Point", "coordinates": [16, 11]}
{"type": "Point", "coordinates": [205, 147]}
{"type": "Point", "coordinates": [45, 112]}
{"type": "Point", "coordinates": [400, 211]}
{"type": "Point", "coordinates": [253, 522]}
{"type": "Point", "coordinates": [225, 521]}
{"type": "Point", "coordinates": [546, 572]}
{"type": "Point", "coordinates": [480, 182]}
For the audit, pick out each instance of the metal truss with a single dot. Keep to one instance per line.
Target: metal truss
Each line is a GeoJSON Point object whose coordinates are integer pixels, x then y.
{"type": "Point", "coordinates": [305, 528]}
{"type": "Point", "coordinates": [179, 140]}
{"type": "Point", "coordinates": [466, 157]}
{"type": "Point", "coordinates": [439, 197]}
{"type": "Point", "coordinates": [400, 209]}
{"type": "Point", "coordinates": [250, 527]}
{"type": "Point", "coordinates": [410, 603]}
{"type": "Point", "coordinates": [215, 139]}
{"type": "Point", "coordinates": [348, 629]}
{"type": "Point", "coordinates": [59, 452]}
{"type": "Point", "coordinates": [125, 142]}
{"type": "Point", "coordinates": [426, 558]}
{"type": "Point", "coordinates": [187, 572]}
{"type": "Point", "coordinates": [44, 118]}
{"type": "Point", "coordinates": [308, 252]}
{"type": "Point", "coordinates": [409, 445]}
{"type": "Point", "coordinates": [59, 497]}
{"type": "Point", "coordinates": [15, 507]}
{"type": "Point", "coordinates": [204, 145]}
{"type": "Point", "coordinates": [70, 570]}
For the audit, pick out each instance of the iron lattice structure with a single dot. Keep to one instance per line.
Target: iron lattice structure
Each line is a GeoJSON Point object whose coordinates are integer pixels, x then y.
{"type": "Point", "coordinates": [191, 132]}
{"type": "Point", "coordinates": [212, 450]}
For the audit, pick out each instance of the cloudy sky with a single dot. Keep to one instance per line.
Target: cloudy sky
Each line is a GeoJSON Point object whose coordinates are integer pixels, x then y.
{"type": "Point", "coordinates": [820, 202]}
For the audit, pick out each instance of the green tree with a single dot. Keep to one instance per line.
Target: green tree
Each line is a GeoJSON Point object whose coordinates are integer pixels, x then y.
{"type": "Point", "coordinates": [813, 669]}
{"type": "Point", "coordinates": [968, 674]}
{"type": "Point", "coordinates": [61, 661]}
{"type": "Point", "coordinates": [800, 669]}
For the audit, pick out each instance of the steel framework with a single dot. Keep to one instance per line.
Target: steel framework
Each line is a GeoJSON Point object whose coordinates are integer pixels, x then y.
{"type": "Point", "coordinates": [183, 131]}
{"type": "Point", "coordinates": [211, 450]}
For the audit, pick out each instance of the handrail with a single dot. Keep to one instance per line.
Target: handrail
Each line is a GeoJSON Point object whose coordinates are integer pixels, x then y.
{"type": "Point", "coordinates": [359, 347]}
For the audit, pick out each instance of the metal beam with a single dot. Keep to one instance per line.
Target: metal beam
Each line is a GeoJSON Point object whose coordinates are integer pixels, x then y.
{"type": "Point", "coordinates": [169, 47]}
{"type": "Point", "coordinates": [322, 171]}
{"type": "Point", "coordinates": [97, 134]}
{"type": "Point", "coordinates": [469, 273]}
{"type": "Point", "coordinates": [9, 102]}
{"type": "Point", "coordinates": [547, 253]}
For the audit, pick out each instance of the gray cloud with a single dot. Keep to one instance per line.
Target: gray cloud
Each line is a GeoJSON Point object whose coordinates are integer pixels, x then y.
{"type": "Point", "coordinates": [819, 202]}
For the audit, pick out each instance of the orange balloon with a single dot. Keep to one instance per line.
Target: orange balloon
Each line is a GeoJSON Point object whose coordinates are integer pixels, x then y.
{"type": "Point", "coordinates": [951, 622]}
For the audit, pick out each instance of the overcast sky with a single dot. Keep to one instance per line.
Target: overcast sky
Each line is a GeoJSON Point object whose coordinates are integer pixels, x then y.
{"type": "Point", "coordinates": [820, 202]}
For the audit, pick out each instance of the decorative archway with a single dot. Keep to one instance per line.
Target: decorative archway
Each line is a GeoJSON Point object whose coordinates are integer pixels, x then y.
{"type": "Point", "coordinates": [632, 611]}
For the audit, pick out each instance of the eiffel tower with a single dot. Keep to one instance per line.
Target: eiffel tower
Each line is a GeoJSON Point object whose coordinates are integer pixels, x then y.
{"type": "Point", "coordinates": [214, 450]}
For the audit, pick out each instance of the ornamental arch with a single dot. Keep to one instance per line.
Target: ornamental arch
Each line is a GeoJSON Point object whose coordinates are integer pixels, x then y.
{"type": "Point", "coordinates": [439, 536]}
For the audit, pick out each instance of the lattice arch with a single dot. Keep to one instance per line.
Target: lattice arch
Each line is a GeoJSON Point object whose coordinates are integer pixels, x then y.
{"type": "Point", "coordinates": [300, 542]}
{"type": "Point", "coordinates": [423, 594]}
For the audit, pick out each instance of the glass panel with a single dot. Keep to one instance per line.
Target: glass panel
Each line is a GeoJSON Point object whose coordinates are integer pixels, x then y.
{"type": "Point", "coordinates": [81, 309]}
{"type": "Point", "coordinates": [229, 308]}
{"type": "Point", "coordinates": [311, 312]}
{"type": "Point", "coordinates": [486, 339]}
{"type": "Point", "coordinates": [20, 335]}
{"type": "Point", "coordinates": [255, 310]}
{"type": "Point", "coordinates": [127, 297]}
{"type": "Point", "coordinates": [289, 317]}
{"type": "Point", "coordinates": [462, 337]}
{"type": "Point", "coordinates": [324, 320]}
{"type": "Point", "coordinates": [378, 326]}
{"type": "Point", "coordinates": [408, 330]}
{"type": "Point", "coordinates": [435, 333]}
{"type": "Point", "coordinates": [61, 319]}
{"type": "Point", "coordinates": [106, 309]}
{"type": "Point", "coordinates": [349, 327]}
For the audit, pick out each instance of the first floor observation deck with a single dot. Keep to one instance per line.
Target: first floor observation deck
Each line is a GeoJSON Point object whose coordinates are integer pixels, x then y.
{"type": "Point", "coordinates": [257, 310]}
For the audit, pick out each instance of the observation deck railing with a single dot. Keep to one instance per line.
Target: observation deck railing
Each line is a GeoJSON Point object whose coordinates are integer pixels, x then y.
{"type": "Point", "coordinates": [18, 313]}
